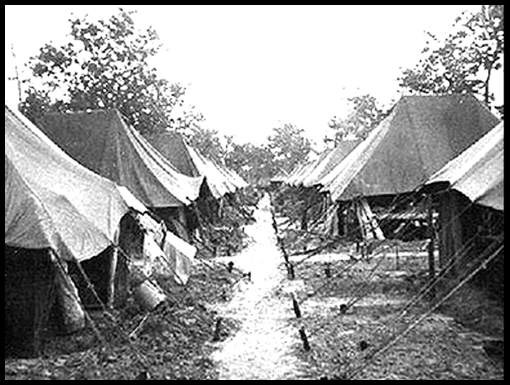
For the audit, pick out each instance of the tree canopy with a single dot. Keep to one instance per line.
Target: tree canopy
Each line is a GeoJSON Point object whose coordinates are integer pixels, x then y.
{"type": "Point", "coordinates": [465, 60]}
{"type": "Point", "coordinates": [365, 115]}
{"type": "Point", "coordinates": [289, 146]}
{"type": "Point", "coordinates": [285, 148]}
{"type": "Point", "coordinates": [105, 64]}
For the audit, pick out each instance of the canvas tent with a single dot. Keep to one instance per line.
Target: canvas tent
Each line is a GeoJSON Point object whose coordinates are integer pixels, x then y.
{"type": "Point", "coordinates": [58, 214]}
{"type": "Point", "coordinates": [219, 181]}
{"type": "Point", "coordinates": [65, 206]}
{"type": "Point", "coordinates": [319, 203]}
{"type": "Point", "coordinates": [469, 190]}
{"type": "Point", "coordinates": [191, 162]}
{"type": "Point", "coordinates": [478, 171]}
{"type": "Point", "coordinates": [300, 173]}
{"type": "Point", "coordinates": [421, 135]}
{"type": "Point", "coordinates": [329, 161]}
{"type": "Point", "coordinates": [55, 210]}
{"type": "Point", "coordinates": [171, 145]}
{"type": "Point", "coordinates": [103, 142]}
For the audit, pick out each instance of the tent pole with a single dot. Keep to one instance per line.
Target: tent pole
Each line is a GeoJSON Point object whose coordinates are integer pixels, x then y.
{"type": "Point", "coordinates": [430, 246]}
{"type": "Point", "coordinates": [111, 283]}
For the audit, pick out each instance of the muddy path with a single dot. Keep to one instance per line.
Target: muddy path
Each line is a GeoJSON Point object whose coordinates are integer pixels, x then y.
{"type": "Point", "coordinates": [263, 347]}
{"type": "Point", "coordinates": [267, 345]}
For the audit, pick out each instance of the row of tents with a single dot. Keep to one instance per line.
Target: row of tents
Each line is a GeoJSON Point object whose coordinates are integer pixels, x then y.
{"type": "Point", "coordinates": [92, 208]}
{"type": "Point", "coordinates": [444, 152]}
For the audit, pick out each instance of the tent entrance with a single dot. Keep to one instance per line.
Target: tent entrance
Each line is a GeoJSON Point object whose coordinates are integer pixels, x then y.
{"type": "Point", "coordinates": [30, 292]}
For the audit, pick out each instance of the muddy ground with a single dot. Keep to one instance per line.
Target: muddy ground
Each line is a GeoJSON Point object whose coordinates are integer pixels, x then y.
{"type": "Point", "coordinates": [258, 335]}
{"type": "Point", "coordinates": [172, 342]}
{"type": "Point", "coordinates": [365, 340]}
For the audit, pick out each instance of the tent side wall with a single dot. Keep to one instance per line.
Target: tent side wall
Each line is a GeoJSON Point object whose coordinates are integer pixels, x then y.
{"type": "Point", "coordinates": [466, 230]}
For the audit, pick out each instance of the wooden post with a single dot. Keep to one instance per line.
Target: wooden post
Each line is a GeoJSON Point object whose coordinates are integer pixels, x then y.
{"type": "Point", "coordinates": [304, 338]}
{"type": "Point", "coordinates": [430, 248]}
{"type": "Point", "coordinates": [295, 305]}
{"type": "Point", "coordinates": [284, 251]}
{"type": "Point", "coordinates": [290, 269]}
{"type": "Point", "coordinates": [217, 330]}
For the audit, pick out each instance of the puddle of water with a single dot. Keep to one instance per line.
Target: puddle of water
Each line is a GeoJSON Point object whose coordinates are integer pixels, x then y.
{"type": "Point", "coordinates": [261, 349]}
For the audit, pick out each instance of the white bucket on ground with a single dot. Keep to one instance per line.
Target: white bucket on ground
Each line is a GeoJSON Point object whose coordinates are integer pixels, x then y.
{"type": "Point", "coordinates": [149, 295]}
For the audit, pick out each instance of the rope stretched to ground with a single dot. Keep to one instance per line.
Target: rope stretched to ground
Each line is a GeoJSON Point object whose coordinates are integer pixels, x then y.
{"type": "Point", "coordinates": [396, 337]}
{"type": "Point", "coordinates": [103, 341]}
{"type": "Point", "coordinates": [425, 289]}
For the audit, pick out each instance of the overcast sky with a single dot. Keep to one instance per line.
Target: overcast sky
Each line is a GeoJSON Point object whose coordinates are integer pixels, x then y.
{"type": "Point", "coordinates": [248, 69]}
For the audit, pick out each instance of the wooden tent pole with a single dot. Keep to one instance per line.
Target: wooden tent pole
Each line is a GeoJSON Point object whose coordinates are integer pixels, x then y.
{"type": "Point", "coordinates": [430, 248]}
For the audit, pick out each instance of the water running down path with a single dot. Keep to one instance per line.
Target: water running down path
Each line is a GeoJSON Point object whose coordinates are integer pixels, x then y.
{"type": "Point", "coordinates": [262, 348]}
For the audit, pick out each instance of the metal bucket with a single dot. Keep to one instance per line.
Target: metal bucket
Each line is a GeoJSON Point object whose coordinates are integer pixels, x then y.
{"type": "Point", "coordinates": [149, 295]}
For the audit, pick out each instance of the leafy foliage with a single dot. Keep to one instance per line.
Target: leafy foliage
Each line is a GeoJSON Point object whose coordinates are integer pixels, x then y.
{"type": "Point", "coordinates": [253, 163]}
{"type": "Point", "coordinates": [289, 146]}
{"type": "Point", "coordinates": [207, 141]}
{"type": "Point", "coordinates": [257, 164]}
{"type": "Point", "coordinates": [364, 117]}
{"type": "Point", "coordinates": [105, 64]}
{"type": "Point", "coordinates": [458, 63]}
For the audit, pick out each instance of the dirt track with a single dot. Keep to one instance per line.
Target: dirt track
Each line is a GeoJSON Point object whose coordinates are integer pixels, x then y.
{"type": "Point", "coordinates": [267, 345]}
{"type": "Point", "coordinates": [262, 349]}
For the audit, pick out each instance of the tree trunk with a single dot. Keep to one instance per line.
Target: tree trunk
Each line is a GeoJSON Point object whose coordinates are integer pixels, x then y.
{"type": "Point", "coordinates": [487, 94]}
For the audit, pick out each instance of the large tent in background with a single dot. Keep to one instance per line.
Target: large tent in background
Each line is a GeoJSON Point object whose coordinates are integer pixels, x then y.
{"type": "Point", "coordinates": [329, 161]}
{"type": "Point", "coordinates": [470, 194]}
{"type": "Point", "coordinates": [420, 136]}
{"type": "Point", "coordinates": [55, 210]}
{"type": "Point", "coordinates": [103, 142]}
{"type": "Point", "coordinates": [191, 162]}
{"type": "Point", "coordinates": [220, 206]}
{"type": "Point", "coordinates": [222, 182]}
{"type": "Point", "coordinates": [304, 180]}
{"type": "Point", "coordinates": [172, 146]}
{"type": "Point", "coordinates": [299, 174]}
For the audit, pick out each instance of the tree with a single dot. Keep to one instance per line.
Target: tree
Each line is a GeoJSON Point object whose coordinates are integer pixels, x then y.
{"type": "Point", "coordinates": [207, 141]}
{"type": "Point", "coordinates": [364, 116]}
{"type": "Point", "coordinates": [457, 64]}
{"type": "Point", "coordinates": [254, 163]}
{"type": "Point", "coordinates": [289, 146]}
{"type": "Point", "coordinates": [105, 64]}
